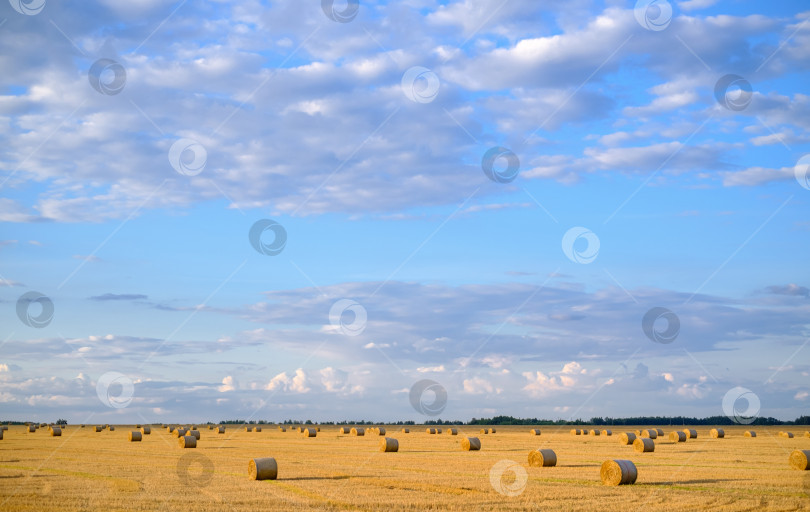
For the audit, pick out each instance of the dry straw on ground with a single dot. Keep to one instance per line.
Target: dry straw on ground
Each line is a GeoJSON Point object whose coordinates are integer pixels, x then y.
{"type": "Point", "coordinates": [800, 459]}
{"type": "Point", "coordinates": [627, 438]}
{"type": "Point", "coordinates": [470, 444]}
{"type": "Point", "coordinates": [389, 444]}
{"type": "Point", "coordinates": [535, 431]}
{"type": "Point", "coordinates": [542, 458]}
{"type": "Point", "coordinates": [263, 469]}
{"type": "Point", "coordinates": [187, 442]}
{"type": "Point", "coordinates": [717, 433]}
{"type": "Point", "coordinates": [135, 436]}
{"type": "Point", "coordinates": [644, 444]}
{"type": "Point", "coordinates": [677, 436]}
{"type": "Point", "coordinates": [690, 433]}
{"type": "Point", "coordinates": [618, 472]}
{"type": "Point", "coordinates": [358, 431]}
{"type": "Point", "coordinates": [750, 433]}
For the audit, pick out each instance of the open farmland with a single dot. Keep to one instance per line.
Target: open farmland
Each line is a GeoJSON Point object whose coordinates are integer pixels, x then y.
{"type": "Point", "coordinates": [86, 470]}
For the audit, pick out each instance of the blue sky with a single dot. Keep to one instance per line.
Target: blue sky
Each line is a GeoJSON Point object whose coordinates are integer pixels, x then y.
{"type": "Point", "coordinates": [143, 140]}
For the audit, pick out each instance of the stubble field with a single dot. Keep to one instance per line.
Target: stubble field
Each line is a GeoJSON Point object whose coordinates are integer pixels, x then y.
{"type": "Point", "coordinates": [104, 471]}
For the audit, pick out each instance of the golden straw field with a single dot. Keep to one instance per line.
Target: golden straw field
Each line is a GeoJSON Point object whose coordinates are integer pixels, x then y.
{"type": "Point", "coordinates": [88, 471]}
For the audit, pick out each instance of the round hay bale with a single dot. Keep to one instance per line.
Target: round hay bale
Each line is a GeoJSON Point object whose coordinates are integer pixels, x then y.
{"type": "Point", "coordinates": [438, 431]}
{"type": "Point", "coordinates": [627, 438]}
{"type": "Point", "coordinates": [317, 429]}
{"type": "Point", "coordinates": [584, 432]}
{"type": "Point", "coordinates": [180, 432]}
{"type": "Point", "coordinates": [638, 433]}
{"type": "Point", "coordinates": [282, 429]}
{"type": "Point", "coordinates": [1, 434]}
{"type": "Point", "coordinates": [210, 427]}
{"type": "Point", "coordinates": [56, 432]}
{"type": "Point", "coordinates": [406, 431]}
{"type": "Point", "coordinates": [263, 469]}
{"type": "Point", "coordinates": [643, 445]}
{"type": "Point", "coordinates": [618, 472]}
{"type": "Point", "coordinates": [659, 431]}
{"type": "Point", "coordinates": [452, 431]}
{"type": "Point", "coordinates": [650, 433]}
{"type": "Point", "coordinates": [544, 458]}
{"type": "Point", "coordinates": [807, 434]}
{"type": "Point", "coordinates": [248, 429]}
{"type": "Point", "coordinates": [535, 431]}
{"type": "Point", "coordinates": [800, 459]}
{"type": "Point", "coordinates": [576, 432]}
{"type": "Point", "coordinates": [594, 432]}
{"type": "Point", "coordinates": [607, 432]}
{"type": "Point", "coordinates": [344, 430]}
{"type": "Point", "coordinates": [194, 433]}
{"type": "Point", "coordinates": [137, 425]}
{"type": "Point", "coordinates": [310, 432]}
{"type": "Point", "coordinates": [300, 429]}
{"type": "Point", "coordinates": [470, 444]}
{"type": "Point", "coordinates": [717, 433]}
{"type": "Point", "coordinates": [97, 428]}
{"type": "Point", "coordinates": [749, 433]}
{"type": "Point", "coordinates": [787, 435]}
{"type": "Point", "coordinates": [187, 441]}
{"type": "Point", "coordinates": [690, 433]}
{"type": "Point", "coordinates": [146, 430]}
{"type": "Point", "coordinates": [389, 444]}
{"type": "Point", "coordinates": [677, 436]}
{"type": "Point", "coordinates": [484, 431]}
{"type": "Point", "coordinates": [135, 436]}
{"type": "Point", "coordinates": [221, 430]}
{"type": "Point", "coordinates": [358, 432]}
{"type": "Point", "coordinates": [380, 431]}
{"type": "Point", "coordinates": [492, 431]}
{"type": "Point", "coordinates": [430, 430]}
{"type": "Point", "coordinates": [257, 429]}
{"type": "Point", "coordinates": [111, 428]}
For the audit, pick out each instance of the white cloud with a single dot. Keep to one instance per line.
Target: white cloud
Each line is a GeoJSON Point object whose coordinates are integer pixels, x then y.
{"type": "Point", "coordinates": [431, 369]}
{"type": "Point", "coordinates": [228, 384]}
{"type": "Point", "coordinates": [477, 386]}
{"type": "Point", "coordinates": [801, 395]}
